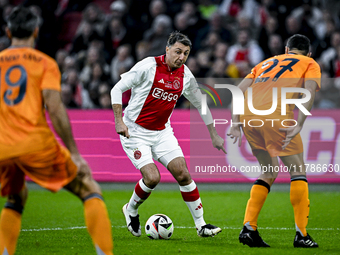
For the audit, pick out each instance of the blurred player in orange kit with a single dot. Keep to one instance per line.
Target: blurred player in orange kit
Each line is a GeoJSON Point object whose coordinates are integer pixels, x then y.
{"type": "Point", "coordinates": [294, 69]}
{"type": "Point", "coordinates": [30, 81]}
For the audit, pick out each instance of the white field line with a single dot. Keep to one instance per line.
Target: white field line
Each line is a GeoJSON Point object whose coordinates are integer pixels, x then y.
{"type": "Point", "coordinates": [233, 228]}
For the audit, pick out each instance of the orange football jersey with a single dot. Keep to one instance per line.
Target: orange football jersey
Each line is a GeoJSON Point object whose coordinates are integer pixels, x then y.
{"type": "Point", "coordinates": [24, 73]}
{"type": "Point", "coordinates": [286, 70]}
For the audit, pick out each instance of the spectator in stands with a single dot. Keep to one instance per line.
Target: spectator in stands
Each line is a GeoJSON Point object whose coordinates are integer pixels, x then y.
{"type": "Point", "coordinates": [334, 65]}
{"type": "Point", "coordinates": [220, 51]}
{"type": "Point", "coordinates": [308, 13]}
{"type": "Point", "coordinates": [194, 67]}
{"type": "Point", "coordinates": [158, 34]}
{"type": "Point", "coordinates": [100, 45]}
{"type": "Point", "coordinates": [93, 55]}
{"type": "Point", "coordinates": [181, 23]}
{"type": "Point", "coordinates": [194, 19]}
{"type": "Point", "coordinates": [142, 49]}
{"type": "Point", "coordinates": [244, 53]}
{"type": "Point", "coordinates": [218, 69]}
{"type": "Point", "coordinates": [263, 12]}
{"type": "Point", "coordinates": [116, 35]}
{"type": "Point", "coordinates": [271, 27]}
{"type": "Point", "coordinates": [118, 9]}
{"type": "Point", "coordinates": [235, 8]}
{"type": "Point", "coordinates": [84, 37]}
{"type": "Point", "coordinates": [93, 15]}
{"type": "Point", "coordinates": [105, 101]}
{"type": "Point", "coordinates": [60, 57]}
{"type": "Point", "coordinates": [121, 63]}
{"type": "Point", "coordinates": [80, 96]}
{"type": "Point", "coordinates": [296, 26]}
{"type": "Point", "coordinates": [70, 62]}
{"type": "Point", "coordinates": [330, 53]}
{"type": "Point", "coordinates": [207, 8]}
{"type": "Point", "coordinates": [156, 7]}
{"type": "Point", "coordinates": [215, 25]}
{"type": "Point", "coordinates": [328, 97]}
{"type": "Point", "coordinates": [67, 97]}
{"type": "Point", "coordinates": [324, 32]}
{"type": "Point", "coordinates": [97, 76]}
{"type": "Point", "coordinates": [203, 60]}
{"type": "Point", "coordinates": [210, 42]}
{"type": "Point", "coordinates": [275, 46]}
{"type": "Point", "coordinates": [104, 95]}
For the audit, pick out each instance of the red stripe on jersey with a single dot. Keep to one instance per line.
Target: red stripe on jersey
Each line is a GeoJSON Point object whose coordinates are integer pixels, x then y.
{"type": "Point", "coordinates": [190, 196]}
{"type": "Point", "coordinates": [140, 192]}
{"type": "Point", "coordinates": [166, 89]}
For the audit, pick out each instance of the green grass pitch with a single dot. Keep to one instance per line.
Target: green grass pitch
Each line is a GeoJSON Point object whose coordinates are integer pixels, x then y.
{"type": "Point", "coordinates": [54, 223]}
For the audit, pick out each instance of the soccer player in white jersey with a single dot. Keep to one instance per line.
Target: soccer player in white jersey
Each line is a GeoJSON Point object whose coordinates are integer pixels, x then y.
{"type": "Point", "coordinates": [156, 83]}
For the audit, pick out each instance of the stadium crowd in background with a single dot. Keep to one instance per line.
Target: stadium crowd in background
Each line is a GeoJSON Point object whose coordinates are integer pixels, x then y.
{"type": "Point", "coordinates": [95, 41]}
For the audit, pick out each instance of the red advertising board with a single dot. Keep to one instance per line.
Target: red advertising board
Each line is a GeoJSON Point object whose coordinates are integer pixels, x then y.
{"type": "Point", "coordinates": [98, 142]}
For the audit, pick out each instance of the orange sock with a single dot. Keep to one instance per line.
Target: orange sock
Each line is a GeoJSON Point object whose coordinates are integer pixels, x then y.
{"type": "Point", "coordinates": [98, 224]}
{"type": "Point", "coordinates": [10, 224]}
{"type": "Point", "coordinates": [258, 195]}
{"type": "Point", "coordinates": [300, 203]}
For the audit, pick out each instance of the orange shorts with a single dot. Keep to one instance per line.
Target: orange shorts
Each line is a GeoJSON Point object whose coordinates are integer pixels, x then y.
{"type": "Point", "coordinates": [269, 138]}
{"type": "Point", "coordinates": [51, 168]}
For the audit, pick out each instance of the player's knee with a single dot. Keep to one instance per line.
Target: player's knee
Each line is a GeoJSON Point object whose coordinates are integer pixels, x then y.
{"type": "Point", "coordinates": [83, 184]}
{"type": "Point", "coordinates": [183, 178]}
{"type": "Point", "coordinates": [17, 202]}
{"type": "Point", "coordinates": [152, 180]}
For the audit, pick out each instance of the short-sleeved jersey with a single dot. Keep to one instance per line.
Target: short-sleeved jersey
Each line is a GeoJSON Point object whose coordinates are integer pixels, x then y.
{"type": "Point", "coordinates": [286, 70]}
{"type": "Point", "coordinates": [24, 73]}
{"type": "Point", "coordinates": [155, 89]}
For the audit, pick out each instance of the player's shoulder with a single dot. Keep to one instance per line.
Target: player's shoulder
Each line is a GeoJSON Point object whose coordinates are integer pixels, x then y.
{"type": "Point", "coordinates": [187, 71]}
{"type": "Point", "coordinates": [145, 64]}
{"type": "Point", "coordinates": [44, 56]}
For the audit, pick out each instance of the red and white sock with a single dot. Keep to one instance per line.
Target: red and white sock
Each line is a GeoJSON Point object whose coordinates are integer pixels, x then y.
{"type": "Point", "coordinates": [140, 194]}
{"type": "Point", "coordinates": [192, 198]}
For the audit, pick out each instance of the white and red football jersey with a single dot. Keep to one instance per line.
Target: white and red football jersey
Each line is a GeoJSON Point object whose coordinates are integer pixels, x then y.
{"type": "Point", "coordinates": [155, 89]}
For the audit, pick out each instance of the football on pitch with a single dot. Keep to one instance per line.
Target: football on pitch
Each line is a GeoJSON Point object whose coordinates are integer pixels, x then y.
{"type": "Point", "coordinates": [159, 226]}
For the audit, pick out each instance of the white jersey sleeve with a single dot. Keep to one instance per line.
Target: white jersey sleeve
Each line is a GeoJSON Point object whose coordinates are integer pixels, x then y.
{"type": "Point", "coordinates": [192, 92]}
{"type": "Point", "coordinates": [139, 79]}
{"type": "Point", "coordinates": [135, 77]}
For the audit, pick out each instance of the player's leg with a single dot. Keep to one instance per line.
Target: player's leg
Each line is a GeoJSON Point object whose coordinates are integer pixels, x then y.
{"type": "Point", "coordinates": [176, 164]}
{"type": "Point", "coordinates": [299, 199]}
{"type": "Point", "coordinates": [13, 187]}
{"type": "Point", "coordinates": [142, 191]}
{"type": "Point", "coordinates": [138, 149]}
{"type": "Point", "coordinates": [260, 189]}
{"type": "Point", "coordinates": [96, 215]}
{"type": "Point", "coordinates": [258, 194]}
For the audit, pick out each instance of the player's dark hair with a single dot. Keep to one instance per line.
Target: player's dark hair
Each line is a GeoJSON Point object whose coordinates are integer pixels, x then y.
{"type": "Point", "coordinates": [22, 22]}
{"type": "Point", "coordinates": [178, 37]}
{"type": "Point", "coordinates": [299, 42]}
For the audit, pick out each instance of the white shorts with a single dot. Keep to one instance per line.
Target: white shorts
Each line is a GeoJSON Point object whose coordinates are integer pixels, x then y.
{"type": "Point", "coordinates": [145, 145]}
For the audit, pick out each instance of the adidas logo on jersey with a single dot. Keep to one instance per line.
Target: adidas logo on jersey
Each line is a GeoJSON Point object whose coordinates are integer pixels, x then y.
{"type": "Point", "coordinates": [161, 81]}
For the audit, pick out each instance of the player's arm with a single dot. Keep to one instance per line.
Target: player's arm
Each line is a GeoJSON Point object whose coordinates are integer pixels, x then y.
{"type": "Point", "coordinates": [291, 132]}
{"type": "Point", "coordinates": [235, 130]}
{"type": "Point", "coordinates": [59, 118]}
{"type": "Point", "coordinates": [116, 100]}
{"type": "Point", "coordinates": [61, 124]}
{"type": "Point", "coordinates": [194, 96]}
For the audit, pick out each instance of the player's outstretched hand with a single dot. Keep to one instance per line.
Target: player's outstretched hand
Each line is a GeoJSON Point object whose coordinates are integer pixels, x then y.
{"type": "Point", "coordinates": [218, 143]}
{"type": "Point", "coordinates": [235, 133]}
{"type": "Point", "coordinates": [291, 132]}
{"type": "Point", "coordinates": [122, 129]}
